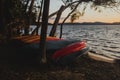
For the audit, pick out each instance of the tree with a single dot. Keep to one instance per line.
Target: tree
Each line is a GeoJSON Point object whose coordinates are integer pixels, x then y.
{"type": "Point", "coordinates": [57, 18]}
{"type": "Point", "coordinates": [59, 13]}
{"type": "Point", "coordinates": [53, 31]}
{"type": "Point", "coordinates": [35, 31]}
{"type": "Point", "coordinates": [2, 20]}
{"type": "Point", "coordinates": [16, 15]}
{"type": "Point", "coordinates": [29, 16]}
{"type": "Point", "coordinates": [44, 31]}
{"type": "Point", "coordinates": [66, 19]}
{"type": "Point", "coordinates": [10, 12]}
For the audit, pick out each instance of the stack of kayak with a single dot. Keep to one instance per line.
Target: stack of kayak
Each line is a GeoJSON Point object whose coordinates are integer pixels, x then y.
{"type": "Point", "coordinates": [58, 50]}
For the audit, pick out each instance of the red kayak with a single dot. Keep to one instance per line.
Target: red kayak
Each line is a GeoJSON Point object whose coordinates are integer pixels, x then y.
{"type": "Point", "coordinates": [74, 47]}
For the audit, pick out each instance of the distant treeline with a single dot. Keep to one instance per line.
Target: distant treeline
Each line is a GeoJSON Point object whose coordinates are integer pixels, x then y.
{"type": "Point", "coordinates": [92, 23]}
{"type": "Point", "coordinates": [84, 23]}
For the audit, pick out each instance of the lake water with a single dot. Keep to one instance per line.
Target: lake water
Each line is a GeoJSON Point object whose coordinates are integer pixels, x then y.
{"type": "Point", "coordinates": [103, 39]}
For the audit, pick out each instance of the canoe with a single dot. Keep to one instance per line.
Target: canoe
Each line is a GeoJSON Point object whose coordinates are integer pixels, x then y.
{"type": "Point", "coordinates": [58, 50]}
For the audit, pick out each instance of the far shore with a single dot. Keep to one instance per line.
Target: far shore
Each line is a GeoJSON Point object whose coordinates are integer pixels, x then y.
{"type": "Point", "coordinates": [86, 23]}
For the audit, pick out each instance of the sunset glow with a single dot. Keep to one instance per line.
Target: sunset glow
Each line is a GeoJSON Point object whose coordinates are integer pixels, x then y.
{"type": "Point", "coordinates": [106, 15]}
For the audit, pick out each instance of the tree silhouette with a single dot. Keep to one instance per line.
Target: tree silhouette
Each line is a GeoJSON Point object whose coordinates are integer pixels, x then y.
{"type": "Point", "coordinates": [44, 31]}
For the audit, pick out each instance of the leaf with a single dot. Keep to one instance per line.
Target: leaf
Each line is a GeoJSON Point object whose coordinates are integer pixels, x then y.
{"type": "Point", "coordinates": [75, 16]}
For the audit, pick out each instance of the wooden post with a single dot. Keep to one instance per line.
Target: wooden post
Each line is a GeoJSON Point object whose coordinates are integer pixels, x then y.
{"type": "Point", "coordinates": [44, 31]}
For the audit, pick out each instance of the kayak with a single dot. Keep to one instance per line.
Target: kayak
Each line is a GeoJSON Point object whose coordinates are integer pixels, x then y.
{"type": "Point", "coordinates": [69, 49]}
{"type": "Point", "coordinates": [26, 40]}
{"type": "Point", "coordinates": [68, 59]}
{"type": "Point", "coordinates": [32, 39]}
{"type": "Point", "coordinates": [69, 53]}
{"type": "Point", "coordinates": [60, 51]}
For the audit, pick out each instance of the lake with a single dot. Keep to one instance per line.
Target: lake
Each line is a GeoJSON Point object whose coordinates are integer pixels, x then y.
{"type": "Point", "coordinates": [103, 39]}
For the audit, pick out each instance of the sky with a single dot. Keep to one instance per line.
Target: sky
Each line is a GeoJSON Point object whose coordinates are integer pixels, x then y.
{"type": "Point", "coordinates": [106, 15]}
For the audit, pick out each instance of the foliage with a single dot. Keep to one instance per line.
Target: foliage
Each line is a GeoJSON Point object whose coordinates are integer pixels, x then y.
{"type": "Point", "coordinates": [75, 16]}
{"type": "Point", "coordinates": [95, 4]}
{"type": "Point", "coordinates": [15, 15]}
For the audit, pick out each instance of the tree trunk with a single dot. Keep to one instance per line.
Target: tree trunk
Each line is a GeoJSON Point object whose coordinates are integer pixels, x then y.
{"type": "Point", "coordinates": [2, 16]}
{"type": "Point", "coordinates": [26, 5]}
{"type": "Point", "coordinates": [59, 13]}
{"type": "Point", "coordinates": [38, 21]}
{"type": "Point", "coordinates": [29, 18]}
{"type": "Point", "coordinates": [31, 7]}
{"type": "Point", "coordinates": [66, 19]}
{"type": "Point", "coordinates": [56, 12]}
{"type": "Point", "coordinates": [44, 31]}
{"type": "Point", "coordinates": [65, 7]}
{"type": "Point", "coordinates": [53, 30]}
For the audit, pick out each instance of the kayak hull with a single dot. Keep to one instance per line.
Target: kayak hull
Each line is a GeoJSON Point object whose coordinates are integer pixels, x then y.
{"type": "Point", "coordinates": [58, 50]}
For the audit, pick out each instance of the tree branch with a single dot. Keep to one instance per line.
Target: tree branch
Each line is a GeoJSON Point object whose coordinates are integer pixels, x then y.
{"type": "Point", "coordinates": [64, 8]}
{"type": "Point", "coordinates": [67, 18]}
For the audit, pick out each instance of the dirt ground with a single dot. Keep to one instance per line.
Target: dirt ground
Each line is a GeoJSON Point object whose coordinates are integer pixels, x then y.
{"type": "Point", "coordinates": [83, 68]}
